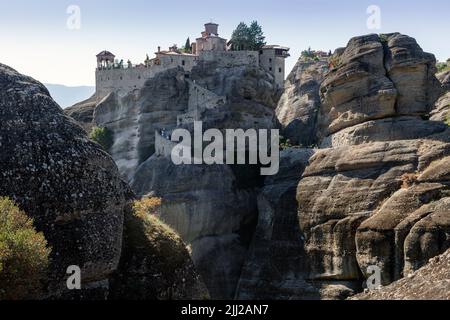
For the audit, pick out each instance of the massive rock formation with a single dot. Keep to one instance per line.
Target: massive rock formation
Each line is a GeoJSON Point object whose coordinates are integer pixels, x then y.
{"type": "Point", "coordinates": [133, 119]}
{"type": "Point", "coordinates": [73, 191]}
{"type": "Point", "coordinates": [299, 105]}
{"type": "Point", "coordinates": [428, 283]}
{"type": "Point", "coordinates": [277, 266]}
{"type": "Point", "coordinates": [379, 196]}
{"type": "Point", "coordinates": [70, 187]}
{"type": "Point", "coordinates": [216, 218]}
{"type": "Point", "coordinates": [209, 215]}
{"type": "Point", "coordinates": [373, 79]}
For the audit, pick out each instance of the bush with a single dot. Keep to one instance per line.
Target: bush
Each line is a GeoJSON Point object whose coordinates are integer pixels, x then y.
{"type": "Point", "coordinates": [102, 136]}
{"type": "Point", "coordinates": [24, 255]}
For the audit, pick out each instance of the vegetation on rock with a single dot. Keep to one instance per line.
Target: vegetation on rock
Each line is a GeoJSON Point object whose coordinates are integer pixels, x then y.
{"type": "Point", "coordinates": [248, 37]}
{"type": "Point", "coordinates": [24, 254]}
{"type": "Point", "coordinates": [102, 136]}
{"type": "Point", "coordinates": [443, 66]}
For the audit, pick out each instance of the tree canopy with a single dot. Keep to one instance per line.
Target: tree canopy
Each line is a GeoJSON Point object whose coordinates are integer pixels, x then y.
{"type": "Point", "coordinates": [246, 37]}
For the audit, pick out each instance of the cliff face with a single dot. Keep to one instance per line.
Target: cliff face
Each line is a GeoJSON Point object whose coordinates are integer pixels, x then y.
{"type": "Point", "coordinates": [298, 108]}
{"type": "Point", "coordinates": [374, 192]}
{"type": "Point", "coordinates": [214, 207]}
{"type": "Point", "coordinates": [379, 195]}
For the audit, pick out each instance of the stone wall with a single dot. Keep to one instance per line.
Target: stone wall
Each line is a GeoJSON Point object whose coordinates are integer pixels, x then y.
{"type": "Point", "coordinates": [231, 58]}
{"type": "Point", "coordinates": [202, 98]}
{"type": "Point", "coordinates": [123, 81]}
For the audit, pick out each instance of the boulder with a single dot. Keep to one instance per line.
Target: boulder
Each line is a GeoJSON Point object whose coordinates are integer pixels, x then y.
{"type": "Point", "coordinates": [65, 182]}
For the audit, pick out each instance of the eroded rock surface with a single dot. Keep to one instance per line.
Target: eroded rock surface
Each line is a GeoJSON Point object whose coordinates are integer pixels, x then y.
{"type": "Point", "coordinates": [428, 283]}
{"type": "Point", "coordinates": [298, 108]}
{"type": "Point", "coordinates": [66, 183]}
{"type": "Point", "coordinates": [376, 78]}
{"type": "Point", "coordinates": [378, 194]}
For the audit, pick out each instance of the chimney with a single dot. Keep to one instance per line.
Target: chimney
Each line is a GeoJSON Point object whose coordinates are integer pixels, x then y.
{"type": "Point", "coordinates": [159, 49]}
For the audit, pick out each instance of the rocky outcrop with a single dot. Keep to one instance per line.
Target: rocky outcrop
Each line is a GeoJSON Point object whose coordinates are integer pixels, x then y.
{"type": "Point", "coordinates": [428, 283]}
{"type": "Point", "coordinates": [277, 266]}
{"type": "Point", "coordinates": [155, 264]}
{"type": "Point", "coordinates": [441, 111]}
{"type": "Point", "coordinates": [133, 119]}
{"type": "Point", "coordinates": [66, 183]}
{"type": "Point", "coordinates": [375, 78]}
{"type": "Point", "coordinates": [444, 78]}
{"type": "Point", "coordinates": [83, 113]}
{"type": "Point", "coordinates": [299, 105]}
{"type": "Point", "coordinates": [212, 217]}
{"type": "Point", "coordinates": [216, 219]}
{"type": "Point", "coordinates": [363, 205]}
{"type": "Point", "coordinates": [378, 196]}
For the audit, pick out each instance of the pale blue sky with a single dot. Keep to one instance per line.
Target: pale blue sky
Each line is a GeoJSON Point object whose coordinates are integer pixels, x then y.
{"type": "Point", "coordinates": [36, 41]}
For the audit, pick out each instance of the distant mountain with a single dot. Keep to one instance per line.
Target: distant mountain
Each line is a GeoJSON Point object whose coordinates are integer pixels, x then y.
{"type": "Point", "coordinates": [68, 96]}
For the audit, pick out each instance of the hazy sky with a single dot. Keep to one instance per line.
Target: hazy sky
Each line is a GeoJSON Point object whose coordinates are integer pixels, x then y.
{"type": "Point", "coordinates": [35, 39]}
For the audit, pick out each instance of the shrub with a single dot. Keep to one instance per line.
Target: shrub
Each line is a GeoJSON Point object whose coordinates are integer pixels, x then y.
{"type": "Point", "coordinates": [102, 136]}
{"type": "Point", "coordinates": [285, 143]}
{"type": "Point", "coordinates": [24, 255]}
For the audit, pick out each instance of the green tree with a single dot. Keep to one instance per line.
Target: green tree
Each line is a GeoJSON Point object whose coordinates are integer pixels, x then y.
{"type": "Point", "coordinates": [188, 47]}
{"type": "Point", "coordinates": [248, 38]}
{"type": "Point", "coordinates": [239, 38]}
{"type": "Point", "coordinates": [24, 254]}
{"type": "Point", "coordinates": [102, 136]}
{"type": "Point", "coordinates": [256, 36]}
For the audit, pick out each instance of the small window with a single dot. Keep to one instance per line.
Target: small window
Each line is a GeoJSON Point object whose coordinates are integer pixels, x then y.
{"type": "Point", "coordinates": [280, 70]}
{"type": "Point", "coordinates": [260, 52]}
{"type": "Point", "coordinates": [121, 78]}
{"type": "Point", "coordinates": [183, 63]}
{"type": "Point", "coordinates": [270, 68]}
{"type": "Point", "coordinates": [270, 60]}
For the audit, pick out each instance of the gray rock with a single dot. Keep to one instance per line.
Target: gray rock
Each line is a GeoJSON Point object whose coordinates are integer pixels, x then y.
{"type": "Point", "coordinates": [276, 265]}
{"type": "Point", "coordinates": [299, 105]}
{"type": "Point", "coordinates": [66, 183]}
{"type": "Point", "coordinates": [216, 219]}
{"type": "Point", "coordinates": [389, 129]}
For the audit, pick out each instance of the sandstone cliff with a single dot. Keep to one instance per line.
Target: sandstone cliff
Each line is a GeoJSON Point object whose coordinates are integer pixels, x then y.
{"type": "Point", "coordinates": [379, 196]}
